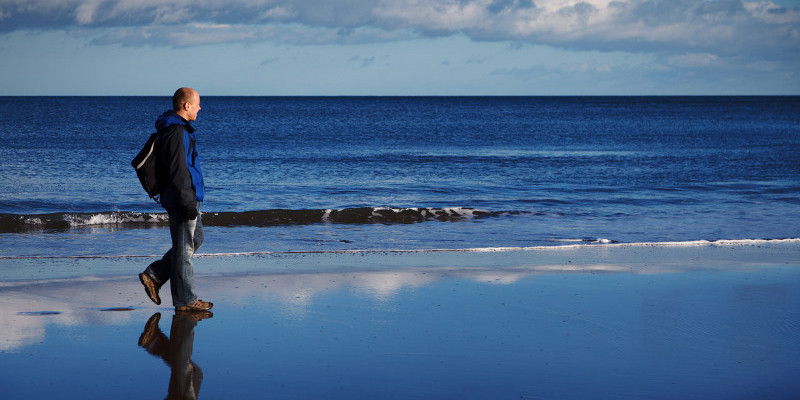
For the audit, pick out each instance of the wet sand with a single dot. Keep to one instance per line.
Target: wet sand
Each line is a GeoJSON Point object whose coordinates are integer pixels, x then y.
{"type": "Point", "coordinates": [658, 322]}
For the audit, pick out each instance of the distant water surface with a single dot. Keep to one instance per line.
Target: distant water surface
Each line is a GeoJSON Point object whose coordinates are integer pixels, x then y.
{"type": "Point", "coordinates": [339, 173]}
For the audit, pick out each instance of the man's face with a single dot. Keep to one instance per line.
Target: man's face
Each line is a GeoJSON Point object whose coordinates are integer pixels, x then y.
{"type": "Point", "coordinates": [193, 107]}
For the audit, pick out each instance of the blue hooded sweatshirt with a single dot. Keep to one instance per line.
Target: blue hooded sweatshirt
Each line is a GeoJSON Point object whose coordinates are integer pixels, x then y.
{"type": "Point", "coordinates": [184, 187]}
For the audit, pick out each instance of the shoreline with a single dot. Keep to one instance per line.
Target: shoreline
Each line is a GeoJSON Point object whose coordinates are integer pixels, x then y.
{"type": "Point", "coordinates": [619, 257]}
{"type": "Point", "coordinates": [81, 284]}
{"type": "Point", "coordinates": [585, 244]}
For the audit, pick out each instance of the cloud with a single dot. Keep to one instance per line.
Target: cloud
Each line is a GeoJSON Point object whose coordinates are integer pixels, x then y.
{"type": "Point", "coordinates": [690, 60]}
{"type": "Point", "coordinates": [587, 69]}
{"type": "Point", "coordinates": [270, 61]}
{"type": "Point", "coordinates": [196, 34]}
{"type": "Point", "coordinates": [364, 62]}
{"type": "Point", "coordinates": [477, 60]}
{"type": "Point", "coordinates": [758, 30]}
{"type": "Point", "coordinates": [367, 61]}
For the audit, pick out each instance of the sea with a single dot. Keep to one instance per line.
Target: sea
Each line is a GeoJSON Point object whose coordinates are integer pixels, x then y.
{"type": "Point", "coordinates": [349, 174]}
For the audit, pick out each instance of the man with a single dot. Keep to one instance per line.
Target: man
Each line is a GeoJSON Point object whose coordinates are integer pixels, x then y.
{"type": "Point", "coordinates": [183, 192]}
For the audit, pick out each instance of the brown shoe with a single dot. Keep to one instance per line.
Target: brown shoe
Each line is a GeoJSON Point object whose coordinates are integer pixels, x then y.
{"type": "Point", "coordinates": [198, 305]}
{"type": "Point", "coordinates": [150, 330]}
{"type": "Point", "coordinates": [196, 315]}
{"type": "Point", "coordinates": [150, 287]}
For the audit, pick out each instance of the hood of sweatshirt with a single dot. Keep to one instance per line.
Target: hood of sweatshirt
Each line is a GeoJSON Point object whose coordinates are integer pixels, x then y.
{"type": "Point", "coordinates": [170, 118]}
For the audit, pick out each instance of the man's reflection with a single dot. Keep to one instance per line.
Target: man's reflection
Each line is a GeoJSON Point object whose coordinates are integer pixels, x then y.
{"type": "Point", "coordinates": [176, 351]}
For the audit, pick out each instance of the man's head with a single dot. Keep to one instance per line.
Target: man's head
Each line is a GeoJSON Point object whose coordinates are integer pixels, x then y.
{"type": "Point", "coordinates": [186, 103]}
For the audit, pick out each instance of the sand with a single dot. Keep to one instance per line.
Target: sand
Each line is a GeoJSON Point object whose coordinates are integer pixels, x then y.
{"type": "Point", "coordinates": [609, 322]}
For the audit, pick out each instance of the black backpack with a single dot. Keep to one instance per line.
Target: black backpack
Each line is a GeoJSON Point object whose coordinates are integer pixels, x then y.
{"type": "Point", "coordinates": [146, 165]}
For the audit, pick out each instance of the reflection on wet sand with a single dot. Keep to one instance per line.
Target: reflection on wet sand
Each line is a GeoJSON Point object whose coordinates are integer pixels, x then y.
{"type": "Point", "coordinates": [585, 322]}
{"type": "Point", "coordinates": [293, 282]}
{"type": "Point", "coordinates": [185, 376]}
{"type": "Point", "coordinates": [26, 308]}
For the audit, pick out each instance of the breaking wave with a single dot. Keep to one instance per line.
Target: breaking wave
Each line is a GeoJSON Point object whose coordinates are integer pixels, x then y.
{"type": "Point", "coordinates": [10, 223]}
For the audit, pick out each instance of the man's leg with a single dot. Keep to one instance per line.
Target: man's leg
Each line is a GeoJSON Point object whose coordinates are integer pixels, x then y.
{"type": "Point", "coordinates": [199, 237]}
{"type": "Point", "coordinates": [159, 270]}
{"type": "Point", "coordinates": [183, 246]}
{"type": "Point", "coordinates": [155, 275]}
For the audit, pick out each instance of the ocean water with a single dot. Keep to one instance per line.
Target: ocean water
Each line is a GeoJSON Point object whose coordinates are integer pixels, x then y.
{"type": "Point", "coordinates": [301, 174]}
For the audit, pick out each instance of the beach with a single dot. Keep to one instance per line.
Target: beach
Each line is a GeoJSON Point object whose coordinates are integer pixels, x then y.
{"type": "Point", "coordinates": [704, 320]}
{"type": "Point", "coordinates": [476, 247]}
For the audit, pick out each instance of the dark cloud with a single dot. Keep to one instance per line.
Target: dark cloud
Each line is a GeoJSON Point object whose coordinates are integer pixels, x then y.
{"type": "Point", "coordinates": [497, 6]}
{"type": "Point", "coordinates": [363, 62]}
{"type": "Point", "coordinates": [367, 61]}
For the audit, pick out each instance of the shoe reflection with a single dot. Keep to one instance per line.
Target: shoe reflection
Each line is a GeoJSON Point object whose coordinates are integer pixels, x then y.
{"type": "Point", "coordinates": [186, 376]}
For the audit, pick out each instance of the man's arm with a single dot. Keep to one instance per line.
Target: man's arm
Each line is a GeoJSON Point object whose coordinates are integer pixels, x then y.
{"type": "Point", "coordinates": [177, 170]}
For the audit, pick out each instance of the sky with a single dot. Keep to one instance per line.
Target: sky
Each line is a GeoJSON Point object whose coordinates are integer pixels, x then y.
{"type": "Point", "coordinates": [400, 47]}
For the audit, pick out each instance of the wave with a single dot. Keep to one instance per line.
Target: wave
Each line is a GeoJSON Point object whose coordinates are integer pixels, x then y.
{"type": "Point", "coordinates": [17, 223]}
{"type": "Point", "coordinates": [588, 243]}
{"type": "Point", "coordinates": [13, 223]}
{"type": "Point", "coordinates": [599, 243]}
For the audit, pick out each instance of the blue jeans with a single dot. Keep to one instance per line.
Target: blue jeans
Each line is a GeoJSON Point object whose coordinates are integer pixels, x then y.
{"type": "Point", "coordinates": [176, 265]}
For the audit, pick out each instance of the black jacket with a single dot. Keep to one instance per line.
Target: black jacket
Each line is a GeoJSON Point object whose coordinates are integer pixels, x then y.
{"type": "Point", "coordinates": [178, 161]}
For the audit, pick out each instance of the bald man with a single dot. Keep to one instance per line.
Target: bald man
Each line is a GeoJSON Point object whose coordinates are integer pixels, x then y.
{"type": "Point", "coordinates": [181, 196]}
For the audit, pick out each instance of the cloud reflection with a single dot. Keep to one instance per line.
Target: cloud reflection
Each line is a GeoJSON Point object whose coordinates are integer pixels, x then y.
{"type": "Point", "coordinates": [27, 308]}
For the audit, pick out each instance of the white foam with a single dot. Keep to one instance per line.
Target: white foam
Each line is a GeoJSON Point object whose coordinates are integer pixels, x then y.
{"type": "Point", "coordinates": [428, 212]}
{"type": "Point", "coordinates": [606, 243]}
{"type": "Point", "coordinates": [602, 243]}
{"type": "Point", "coordinates": [34, 221]}
{"type": "Point", "coordinates": [114, 218]}
{"type": "Point", "coordinates": [459, 211]}
{"type": "Point", "coordinates": [689, 243]}
{"type": "Point", "coordinates": [376, 209]}
{"type": "Point", "coordinates": [598, 240]}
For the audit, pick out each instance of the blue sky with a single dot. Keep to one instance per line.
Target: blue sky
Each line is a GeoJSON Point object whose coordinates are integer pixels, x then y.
{"type": "Point", "coordinates": [400, 47]}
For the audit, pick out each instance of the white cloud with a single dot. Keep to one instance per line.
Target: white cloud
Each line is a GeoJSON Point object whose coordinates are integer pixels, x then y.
{"type": "Point", "coordinates": [195, 34]}
{"type": "Point", "coordinates": [758, 30]}
{"type": "Point", "coordinates": [85, 12]}
{"type": "Point", "coordinates": [586, 67]}
{"type": "Point", "coordinates": [690, 60]}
